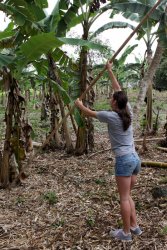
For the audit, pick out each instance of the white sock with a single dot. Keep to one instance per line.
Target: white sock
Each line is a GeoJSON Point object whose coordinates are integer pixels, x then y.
{"type": "Point", "coordinates": [133, 228]}
{"type": "Point", "coordinates": [125, 233]}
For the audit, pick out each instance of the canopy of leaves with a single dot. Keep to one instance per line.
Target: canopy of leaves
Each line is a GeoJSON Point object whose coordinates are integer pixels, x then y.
{"type": "Point", "coordinates": [136, 10]}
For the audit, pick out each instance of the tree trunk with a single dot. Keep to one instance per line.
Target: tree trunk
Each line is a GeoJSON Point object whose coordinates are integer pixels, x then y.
{"type": "Point", "coordinates": [67, 136]}
{"type": "Point", "coordinates": [146, 81]}
{"type": "Point", "coordinates": [54, 109]}
{"type": "Point", "coordinates": [27, 95]}
{"type": "Point", "coordinates": [72, 120]}
{"type": "Point", "coordinates": [81, 143]}
{"type": "Point", "coordinates": [34, 97]}
{"type": "Point", "coordinates": [85, 136]}
{"type": "Point", "coordinates": [54, 75]}
{"type": "Point", "coordinates": [149, 98]}
{"type": "Point", "coordinates": [149, 109]}
{"type": "Point", "coordinates": [4, 175]}
{"type": "Point", "coordinates": [14, 143]}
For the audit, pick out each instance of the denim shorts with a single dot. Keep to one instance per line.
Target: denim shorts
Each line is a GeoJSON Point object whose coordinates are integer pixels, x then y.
{"type": "Point", "coordinates": [127, 165]}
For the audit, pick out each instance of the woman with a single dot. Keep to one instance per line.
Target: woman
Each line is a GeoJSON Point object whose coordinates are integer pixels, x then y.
{"type": "Point", "coordinates": [127, 162]}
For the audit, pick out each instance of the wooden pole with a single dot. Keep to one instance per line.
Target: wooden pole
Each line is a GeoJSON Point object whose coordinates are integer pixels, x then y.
{"type": "Point", "coordinates": [101, 73]}
{"type": "Point", "coordinates": [154, 164]}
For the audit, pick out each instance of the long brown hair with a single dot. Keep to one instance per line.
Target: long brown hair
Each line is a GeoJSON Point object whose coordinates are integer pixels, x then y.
{"type": "Point", "coordinates": [122, 99]}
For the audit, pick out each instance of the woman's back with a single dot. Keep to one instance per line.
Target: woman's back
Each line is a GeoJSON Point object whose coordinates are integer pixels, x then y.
{"type": "Point", "coordinates": [121, 141]}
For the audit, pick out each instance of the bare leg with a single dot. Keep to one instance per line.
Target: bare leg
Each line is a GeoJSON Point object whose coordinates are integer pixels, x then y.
{"type": "Point", "coordinates": [124, 187]}
{"type": "Point", "coordinates": [133, 221]}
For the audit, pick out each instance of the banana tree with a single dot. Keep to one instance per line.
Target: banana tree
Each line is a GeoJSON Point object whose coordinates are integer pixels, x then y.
{"type": "Point", "coordinates": [25, 21]}
{"type": "Point", "coordinates": [43, 32]}
{"type": "Point", "coordinates": [140, 7]}
{"type": "Point", "coordinates": [24, 16]}
{"type": "Point", "coordinates": [86, 14]}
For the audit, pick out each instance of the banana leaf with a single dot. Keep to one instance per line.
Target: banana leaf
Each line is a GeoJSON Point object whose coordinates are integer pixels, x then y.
{"type": "Point", "coordinates": [39, 45]}
{"type": "Point", "coordinates": [139, 8]}
{"type": "Point", "coordinates": [81, 42]}
{"type": "Point", "coordinates": [111, 25]}
{"type": "Point", "coordinates": [67, 100]}
{"type": "Point", "coordinates": [5, 60]}
{"type": "Point", "coordinates": [8, 31]}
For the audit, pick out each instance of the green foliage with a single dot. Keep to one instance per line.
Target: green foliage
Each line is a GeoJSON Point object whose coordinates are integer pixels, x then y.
{"type": "Point", "coordinates": [5, 60]}
{"type": "Point", "coordinates": [100, 181]}
{"type": "Point", "coordinates": [138, 206]}
{"type": "Point", "coordinates": [90, 220]}
{"type": "Point", "coordinates": [20, 200]}
{"type": "Point", "coordinates": [22, 11]}
{"type": "Point", "coordinates": [163, 180]}
{"type": "Point", "coordinates": [137, 7]}
{"type": "Point", "coordinates": [59, 223]}
{"type": "Point", "coordinates": [41, 3]}
{"type": "Point", "coordinates": [78, 118]}
{"type": "Point", "coordinates": [120, 223]}
{"type": "Point", "coordinates": [102, 105]}
{"type": "Point", "coordinates": [111, 25]}
{"type": "Point", "coordinates": [41, 44]}
{"type": "Point", "coordinates": [8, 31]}
{"type": "Point", "coordinates": [63, 59]}
{"type": "Point", "coordinates": [81, 42]}
{"type": "Point", "coordinates": [50, 197]}
{"type": "Point", "coordinates": [164, 231]}
{"type": "Point", "coordinates": [62, 92]}
{"type": "Point", "coordinates": [135, 11]}
{"type": "Point", "coordinates": [64, 23]}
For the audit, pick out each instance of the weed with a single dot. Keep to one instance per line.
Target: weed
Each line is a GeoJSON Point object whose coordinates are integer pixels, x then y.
{"type": "Point", "coordinates": [90, 222]}
{"type": "Point", "coordinates": [19, 200]}
{"type": "Point", "coordinates": [50, 197]}
{"type": "Point", "coordinates": [111, 171]}
{"type": "Point", "coordinates": [100, 181]}
{"type": "Point", "coordinates": [59, 223]}
{"type": "Point", "coordinates": [163, 180]}
{"type": "Point", "coordinates": [120, 223]}
{"type": "Point", "coordinates": [164, 231]}
{"type": "Point", "coordinates": [138, 206]}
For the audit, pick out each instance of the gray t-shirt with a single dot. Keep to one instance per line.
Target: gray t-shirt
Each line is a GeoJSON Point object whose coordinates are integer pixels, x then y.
{"type": "Point", "coordinates": [122, 142]}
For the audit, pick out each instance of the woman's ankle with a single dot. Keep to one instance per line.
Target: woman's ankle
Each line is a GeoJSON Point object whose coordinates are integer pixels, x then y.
{"type": "Point", "coordinates": [126, 231]}
{"type": "Point", "coordinates": [133, 227]}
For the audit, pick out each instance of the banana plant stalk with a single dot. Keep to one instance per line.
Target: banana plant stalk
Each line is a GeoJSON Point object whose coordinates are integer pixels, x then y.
{"type": "Point", "coordinates": [103, 70]}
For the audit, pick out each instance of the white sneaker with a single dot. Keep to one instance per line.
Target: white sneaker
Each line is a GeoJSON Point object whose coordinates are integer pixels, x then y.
{"type": "Point", "coordinates": [120, 235]}
{"type": "Point", "coordinates": [136, 231]}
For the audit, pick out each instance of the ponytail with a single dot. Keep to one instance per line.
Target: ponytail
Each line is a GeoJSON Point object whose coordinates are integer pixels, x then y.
{"type": "Point", "coordinates": [123, 112]}
{"type": "Point", "coordinates": [125, 117]}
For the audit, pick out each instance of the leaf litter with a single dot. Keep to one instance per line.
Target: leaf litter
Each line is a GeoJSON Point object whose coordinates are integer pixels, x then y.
{"type": "Point", "coordinates": [71, 203]}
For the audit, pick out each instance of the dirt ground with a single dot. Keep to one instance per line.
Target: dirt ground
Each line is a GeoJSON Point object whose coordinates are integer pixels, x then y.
{"type": "Point", "coordinates": [71, 203]}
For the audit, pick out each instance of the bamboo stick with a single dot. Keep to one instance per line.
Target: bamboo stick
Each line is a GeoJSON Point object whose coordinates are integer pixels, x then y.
{"type": "Point", "coordinates": [154, 164]}
{"type": "Point", "coordinates": [162, 149]}
{"type": "Point", "coordinates": [101, 73]}
{"type": "Point", "coordinates": [149, 139]}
